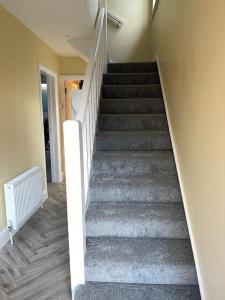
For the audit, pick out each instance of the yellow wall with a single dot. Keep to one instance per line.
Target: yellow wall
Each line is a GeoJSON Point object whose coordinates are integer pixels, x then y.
{"type": "Point", "coordinates": [188, 37]}
{"type": "Point", "coordinates": [131, 42]}
{"type": "Point", "coordinates": [20, 53]}
{"type": "Point", "coordinates": [72, 66]}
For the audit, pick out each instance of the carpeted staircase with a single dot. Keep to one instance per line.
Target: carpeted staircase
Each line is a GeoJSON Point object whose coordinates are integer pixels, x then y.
{"type": "Point", "coordinates": [138, 245]}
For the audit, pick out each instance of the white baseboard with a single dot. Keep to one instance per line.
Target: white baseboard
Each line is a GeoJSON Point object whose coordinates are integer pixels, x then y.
{"type": "Point", "coordinates": [4, 237]}
{"type": "Point", "coordinates": [45, 195]}
{"type": "Point", "coordinates": [181, 182]}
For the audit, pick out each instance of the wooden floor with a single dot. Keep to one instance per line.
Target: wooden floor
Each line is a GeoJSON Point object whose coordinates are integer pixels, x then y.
{"type": "Point", "coordinates": [37, 266]}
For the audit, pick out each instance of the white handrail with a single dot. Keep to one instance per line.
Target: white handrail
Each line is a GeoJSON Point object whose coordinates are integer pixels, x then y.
{"type": "Point", "coordinates": [79, 137]}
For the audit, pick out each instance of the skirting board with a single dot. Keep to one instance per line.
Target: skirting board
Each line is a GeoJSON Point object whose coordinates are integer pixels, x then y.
{"type": "Point", "coordinates": [4, 237]}
{"type": "Point", "coordinates": [4, 233]}
{"type": "Point", "coordinates": [45, 195]}
{"type": "Point", "coordinates": [195, 254]}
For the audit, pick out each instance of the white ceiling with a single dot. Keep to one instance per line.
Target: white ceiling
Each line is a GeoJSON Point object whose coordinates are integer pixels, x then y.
{"type": "Point", "coordinates": [56, 21]}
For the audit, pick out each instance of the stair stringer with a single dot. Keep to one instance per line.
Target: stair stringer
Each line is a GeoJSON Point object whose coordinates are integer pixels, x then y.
{"type": "Point", "coordinates": [181, 182]}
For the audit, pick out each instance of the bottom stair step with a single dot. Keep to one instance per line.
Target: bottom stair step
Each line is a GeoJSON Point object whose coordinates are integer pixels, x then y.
{"type": "Point", "coordinates": [110, 291]}
{"type": "Point", "coordinates": [144, 261]}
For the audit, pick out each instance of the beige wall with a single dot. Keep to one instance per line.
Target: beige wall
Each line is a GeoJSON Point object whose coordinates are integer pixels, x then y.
{"type": "Point", "coordinates": [188, 37]}
{"type": "Point", "coordinates": [20, 53]}
{"type": "Point", "coordinates": [72, 66]}
{"type": "Point", "coordinates": [131, 42]}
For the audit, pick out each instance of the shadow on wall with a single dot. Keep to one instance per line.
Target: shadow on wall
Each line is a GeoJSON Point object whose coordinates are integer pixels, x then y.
{"type": "Point", "coordinates": [131, 42]}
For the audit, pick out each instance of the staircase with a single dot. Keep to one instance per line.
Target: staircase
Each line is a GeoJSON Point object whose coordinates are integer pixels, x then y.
{"type": "Point", "coordinates": [138, 244]}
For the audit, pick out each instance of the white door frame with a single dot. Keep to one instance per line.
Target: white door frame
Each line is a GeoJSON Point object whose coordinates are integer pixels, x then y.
{"type": "Point", "coordinates": [54, 126]}
{"type": "Point", "coordinates": [62, 79]}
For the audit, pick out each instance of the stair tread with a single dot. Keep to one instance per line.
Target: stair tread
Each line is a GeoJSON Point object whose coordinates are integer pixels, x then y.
{"type": "Point", "coordinates": [135, 162]}
{"type": "Point", "coordinates": [160, 188]}
{"type": "Point", "coordinates": [118, 291]}
{"type": "Point", "coordinates": [136, 220]}
{"type": "Point", "coordinates": [138, 260]}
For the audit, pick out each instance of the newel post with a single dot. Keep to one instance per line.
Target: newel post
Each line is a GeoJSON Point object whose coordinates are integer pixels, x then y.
{"type": "Point", "coordinates": [75, 201]}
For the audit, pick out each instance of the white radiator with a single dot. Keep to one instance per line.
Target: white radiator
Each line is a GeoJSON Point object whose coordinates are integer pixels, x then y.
{"type": "Point", "coordinates": [23, 196]}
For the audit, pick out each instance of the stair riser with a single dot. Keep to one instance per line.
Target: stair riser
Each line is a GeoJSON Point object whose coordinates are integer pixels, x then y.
{"type": "Point", "coordinates": [138, 166]}
{"type": "Point", "coordinates": [132, 68]}
{"type": "Point", "coordinates": [176, 275]}
{"type": "Point", "coordinates": [132, 122]}
{"type": "Point", "coordinates": [131, 91]}
{"type": "Point", "coordinates": [112, 291]}
{"type": "Point", "coordinates": [149, 231]}
{"type": "Point", "coordinates": [133, 143]}
{"type": "Point", "coordinates": [125, 192]}
{"type": "Point", "coordinates": [128, 79]}
{"type": "Point", "coordinates": [132, 106]}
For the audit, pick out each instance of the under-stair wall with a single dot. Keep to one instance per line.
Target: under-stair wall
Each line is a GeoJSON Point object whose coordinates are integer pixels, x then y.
{"type": "Point", "coordinates": [188, 39]}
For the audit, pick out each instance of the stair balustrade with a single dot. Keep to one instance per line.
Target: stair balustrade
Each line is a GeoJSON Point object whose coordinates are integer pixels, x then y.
{"type": "Point", "coordinates": [79, 136]}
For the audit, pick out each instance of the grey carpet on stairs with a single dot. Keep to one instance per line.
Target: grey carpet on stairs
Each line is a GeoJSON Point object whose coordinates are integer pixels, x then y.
{"type": "Point", "coordinates": [145, 220]}
{"type": "Point", "coordinates": [138, 260]}
{"type": "Point", "coordinates": [138, 245]}
{"type": "Point", "coordinates": [162, 188]}
{"type": "Point", "coordinates": [132, 106]}
{"type": "Point", "coordinates": [131, 91]}
{"type": "Point", "coordinates": [134, 162]}
{"type": "Point", "coordinates": [132, 122]}
{"type": "Point", "coordinates": [132, 78]}
{"type": "Point", "coordinates": [123, 141]}
{"type": "Point", "coordinates": [110, 291]}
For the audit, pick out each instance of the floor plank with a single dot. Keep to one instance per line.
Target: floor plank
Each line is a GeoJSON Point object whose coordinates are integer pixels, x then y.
{"type": "Point", "coordinates": [37, 265]}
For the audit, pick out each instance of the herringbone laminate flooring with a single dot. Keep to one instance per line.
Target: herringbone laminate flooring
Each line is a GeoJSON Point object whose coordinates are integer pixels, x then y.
{"type": "Point", "coordinates": [36, 267]}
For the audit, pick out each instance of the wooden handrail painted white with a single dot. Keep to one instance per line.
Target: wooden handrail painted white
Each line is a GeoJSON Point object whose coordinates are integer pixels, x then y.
{"type": "Point", "coordinates": [79, 137]}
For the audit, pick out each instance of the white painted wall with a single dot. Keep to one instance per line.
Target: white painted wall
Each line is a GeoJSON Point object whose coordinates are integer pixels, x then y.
{"type": "Point", "coordinates": [56, 22]}
{"type": "Point", "coordinates": [92, 9]}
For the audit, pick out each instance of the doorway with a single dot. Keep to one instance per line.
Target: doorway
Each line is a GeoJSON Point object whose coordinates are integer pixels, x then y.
{"type": "Point", "coordinates": [70, 90]}
{"type": "Point", "coordinates": [72, 94]}
{"type": "Point", "coordinates": [45, 112]}
{"type": "Point", "coordinates": [50, 125]}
